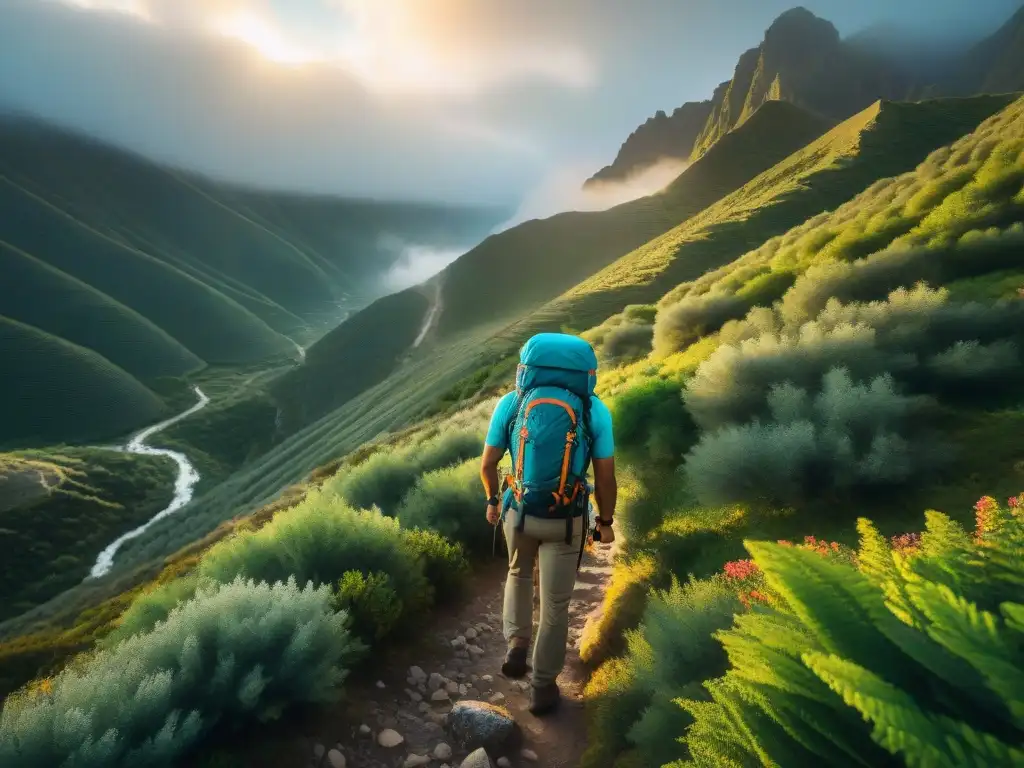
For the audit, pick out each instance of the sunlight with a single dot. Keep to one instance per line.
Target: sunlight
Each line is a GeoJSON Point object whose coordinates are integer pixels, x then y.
{"type": "Point", "coordinates": [264, 37]}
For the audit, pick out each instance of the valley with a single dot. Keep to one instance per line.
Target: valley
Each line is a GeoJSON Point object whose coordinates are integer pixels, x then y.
{"type": "Point", "coordinates": [216, 411]}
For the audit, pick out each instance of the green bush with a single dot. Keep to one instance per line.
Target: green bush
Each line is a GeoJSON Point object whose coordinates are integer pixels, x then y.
{"type": "Point", "coordinates": [318, 541]}
{"type": "Point", "coordinates": [651, 422]}
{"type": "Point", "coordinates": [371, 602]}
{"type": "Point", "coordinates": [449, 501]}
{"type": "Point", "coordinates": [237, 653]}
{"type": "Point", "coordinates": [444, 563]}
{"type": "Point", "coordinates": [385, 478]}
{"type": "Point", "coordinates": [913, 657]}
{"type": "Point", "coordinates": [848, 437]}
{"type": "Point", "coordinates": [671, 654]}
{"type": "Point", "coordinates": [681, 324]}
{"type": "Point", "coordinates": [627, 342]}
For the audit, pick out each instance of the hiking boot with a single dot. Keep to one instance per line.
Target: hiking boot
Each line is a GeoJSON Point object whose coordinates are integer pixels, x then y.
{"type": "Point", "coordinates": [544, 699]}
{"type": "Point", "coordinates": [515, 665]}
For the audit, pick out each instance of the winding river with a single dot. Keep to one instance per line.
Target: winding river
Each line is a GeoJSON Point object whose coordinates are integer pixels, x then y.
{"type": "Point", "coordinates": [183, 486]}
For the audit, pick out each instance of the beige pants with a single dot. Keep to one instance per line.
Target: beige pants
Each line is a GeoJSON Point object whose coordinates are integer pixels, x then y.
{"type": "Point", "coordinates": [541, 541]}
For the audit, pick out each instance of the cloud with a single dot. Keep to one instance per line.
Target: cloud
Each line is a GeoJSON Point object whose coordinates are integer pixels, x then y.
{"type": "Point", "coordinates": [415, 263]}
{"type": "Point", "coordinates": [462, 100]}
{"type": "Point", "coordinates": [562, 190]}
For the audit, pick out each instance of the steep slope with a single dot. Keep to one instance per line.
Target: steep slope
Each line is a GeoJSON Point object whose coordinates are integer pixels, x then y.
{"type": "Point", "coordinates": [160, 272]}
{"type": "Point", "coordinates": [87, 317]}
{"type": "Point", "coordinates": [517, 270]}
{"type": "Point", "coordinates": [52, 390]}
{"type": "Point", "coordinates": [996, 64]}
{"type": "Point", "coordinates": [662, 136]}
{"type": "Point", "coordinates": [884, 136]}
{"type": "Point", "coordinates": [800, 60]}
{"type": "Point", "coordinates": [883, 140]}
{"type": "Point", "coordinates": [281, 258]}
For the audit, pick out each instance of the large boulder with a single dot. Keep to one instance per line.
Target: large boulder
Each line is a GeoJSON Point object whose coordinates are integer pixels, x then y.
{"type": "Point", "coordinates": [476, 724]}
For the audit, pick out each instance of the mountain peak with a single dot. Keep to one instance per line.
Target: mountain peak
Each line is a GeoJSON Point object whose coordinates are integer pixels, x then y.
{"type": "Point", "coordinates": [798, 25]}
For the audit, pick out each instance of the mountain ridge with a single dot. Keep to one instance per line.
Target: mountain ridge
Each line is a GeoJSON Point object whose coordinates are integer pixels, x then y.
{"type": "Point", "coordinates": [803, 59]}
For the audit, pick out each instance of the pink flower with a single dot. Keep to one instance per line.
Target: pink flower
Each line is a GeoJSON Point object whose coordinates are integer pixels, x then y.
{"type": "Point", "coordinates": [740, 570]}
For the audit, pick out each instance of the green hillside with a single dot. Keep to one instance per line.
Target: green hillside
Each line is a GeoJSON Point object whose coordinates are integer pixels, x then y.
{"type": "Point", "coordinates": [87, 317]}
{"type": "Point", "coordinates": [545, 256]}
{"type": "Point", "coordinates": [161, 273]}
{"type": "Point", "coordinates": [59, 509]}
{"type": "Point", "coordinates": [52, 391]}
{"type": "Point", "coordinates": [883, 140]}
{"type": "Point", "coordinates": [884, 380]}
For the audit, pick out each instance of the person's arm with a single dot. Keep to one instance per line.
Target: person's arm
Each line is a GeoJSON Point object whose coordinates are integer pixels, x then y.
{"type": "Point", "coordinates": [495, 446]}
{"type": "Point", "coordinates": [606, 489]}
{"type": "Point", "coordinates": [489, 477]}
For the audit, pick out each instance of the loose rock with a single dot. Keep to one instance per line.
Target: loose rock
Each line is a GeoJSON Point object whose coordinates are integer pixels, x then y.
{"type": "Point", "coordinates": [380, 684]}
{"type": "Point", "coordinates": [364, 730]}
{"type": "Point", "coordinates": [452, 687]}
{"type": "Point", "coordinates": [436, 681]}
{"type": "Point", "coordinates": [475, 650]}
{"type": "Point", "coordinates": [477, 759]}
{"type": "Point", "coordinates": [439, 695]}
{"type": "Point", "coordinates": [471, 634]}
{"type": "Point", "coordinates": [318, 751]}
{"type": "Point", "coordinates": [443, 752]}
{"type": "Point", "coordinates": [498, 698]}
{"type": "Point", "coordinates": [414, 695]}
{"type": "Point", "coordinates": [504, 762]}
{"type": "Point", "coordinates": [416, 761]}
{"type": "Point", "coordinates": [488, 678]}
{"type": "Point", "coordinates": [417, 674]}
{"type": "Point", "coordinates": [390, 738]}
{"type": "Point", "coordinates": [336, 759]}
{"type": "Point", "coordinates": [474, 724]}
{"type": "Point", "coordinates": [529, 755]}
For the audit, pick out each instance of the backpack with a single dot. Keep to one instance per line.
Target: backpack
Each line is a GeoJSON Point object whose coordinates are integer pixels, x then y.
{"type": "Point", "coordinates": [554, 383]}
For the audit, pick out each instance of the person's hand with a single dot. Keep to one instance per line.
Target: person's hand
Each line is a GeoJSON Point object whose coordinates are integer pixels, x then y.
{"type": "Point", "coordinates": [493, 514]}
{"type": "Point", "coordinates": [607, 533]}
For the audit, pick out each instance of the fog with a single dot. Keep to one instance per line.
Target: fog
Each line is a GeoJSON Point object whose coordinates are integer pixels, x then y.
{"type": "Point", "coordinates": [417, 263]}
{"type": "Point", "coordinates": [562, 190]}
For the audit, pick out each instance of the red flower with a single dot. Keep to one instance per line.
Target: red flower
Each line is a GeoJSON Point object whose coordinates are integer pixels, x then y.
{"type": "Point", "coordinates": [741, 570]}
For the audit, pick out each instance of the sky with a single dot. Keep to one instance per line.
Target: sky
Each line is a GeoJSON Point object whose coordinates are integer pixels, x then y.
{"type": "Point", "coordinates": [490, 101]}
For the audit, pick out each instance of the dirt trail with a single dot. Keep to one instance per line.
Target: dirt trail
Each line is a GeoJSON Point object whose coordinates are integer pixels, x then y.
{"type": "Point", "coordinates": [558, 739]}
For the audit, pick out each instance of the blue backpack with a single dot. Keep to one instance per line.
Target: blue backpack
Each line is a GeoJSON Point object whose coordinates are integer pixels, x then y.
{"type": "Point", "coordinates": [554, 383]}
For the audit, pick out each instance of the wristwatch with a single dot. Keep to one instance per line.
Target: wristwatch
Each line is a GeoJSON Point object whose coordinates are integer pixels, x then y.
{"type": "Point", "coordinates": [492, 502]}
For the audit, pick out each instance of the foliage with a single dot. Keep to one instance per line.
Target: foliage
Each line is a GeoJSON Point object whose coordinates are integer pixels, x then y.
{"type": "Point", "coordinates": [681, 324]}
{"type": "Point", "coordinates": [672, 652]}
{"type": "Point", "coordinates": [651, 423]}
{"type": "Point", "coordinates": [318, 541]}
{"type": "Point", "coordinates": [913, 656]}
{"type": "Point", "coordinates": [239, 652]}
{"type": "Point", "coordinates": [60, 507]}
{"type": "Point", "coordinates": [448, 501]}
{"type": "Point", "coordinates": [385, 478]}
{"type": "Point", "coordinates": [848, 437]}
{"type": "Point", "coordinates": [444, 563]}
{"type": "Point", "coordinates": [371, 602]}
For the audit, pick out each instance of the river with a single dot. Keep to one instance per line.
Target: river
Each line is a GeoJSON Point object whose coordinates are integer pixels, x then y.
{"type": "Point", "coordinates": [188, 476]}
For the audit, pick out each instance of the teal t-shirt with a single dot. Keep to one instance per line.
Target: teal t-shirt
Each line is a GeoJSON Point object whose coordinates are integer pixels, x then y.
{"type": "Point", "coordinates": [603, 443]}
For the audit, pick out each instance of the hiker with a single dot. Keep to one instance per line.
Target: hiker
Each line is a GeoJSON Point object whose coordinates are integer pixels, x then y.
{"type": "Point", "coordinates": [553, 426]}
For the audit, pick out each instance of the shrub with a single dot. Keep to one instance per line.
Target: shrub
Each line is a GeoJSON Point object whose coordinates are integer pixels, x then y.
{"type": "Point", "coordinates": [671, 654]}
{"type": "Point", "coordinates": [371, 602]}
{"type": "Point", "coordinates": [318, 541]}
{"type": "Point", "coordinates": [449, 501]}
{"type": "Point", "coordinates": [384, 478]}
{"type": "Point", "coordinates": [848, 437]}
{"type": "Point", "coordinates": [444, 563]}
{"type": "Point", "coordinates": [906, 659]}
{"type": "Point", "coordinates": [651, 422]}
{"type": "Point", "coordinates": [679, 325]}
{"type": "Point", "coordinates": [381, 481]}
{"type": "Point", "coordinates": [627, 342]}
{"type": "Point", "coordinates": [239, 652]}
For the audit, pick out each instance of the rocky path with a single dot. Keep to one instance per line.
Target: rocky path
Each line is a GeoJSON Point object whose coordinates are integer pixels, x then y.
{"type": "Point", "coordinates": [400, 721]}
